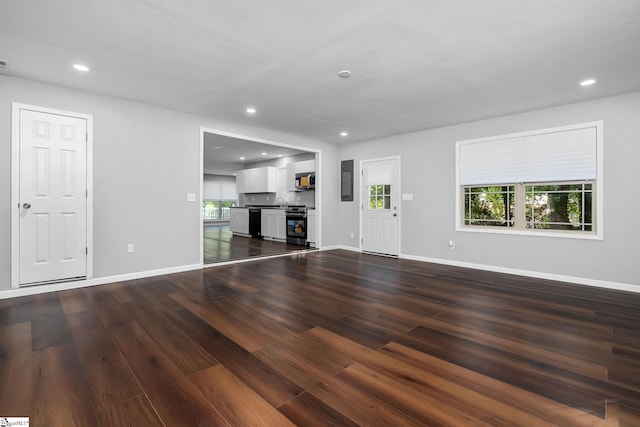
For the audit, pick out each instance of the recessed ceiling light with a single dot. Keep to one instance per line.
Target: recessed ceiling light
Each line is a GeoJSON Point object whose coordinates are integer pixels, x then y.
{"type": "Point", "coordinates": [217, 147]}
{"type": "Point", "coordinates": [344, 134]}
{"type": "Point", "coordinates": [242, 158]}
{"type": "Point", "coordinates": [80, 67]}
{"type": "Point", "coordinates": [264, 154]}
{"type": "Point", "coordinates": [345, 74]}
{"type": "Point", "coordinates": [587, 82]}
{"type": "Point", "coordinates": [251, 110]}
{"type": "Point", "coordinates": [279, 155]}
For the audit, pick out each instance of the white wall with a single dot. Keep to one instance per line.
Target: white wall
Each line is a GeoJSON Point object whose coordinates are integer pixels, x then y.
{"type": "Point", "coordinates": [428, 221]}
{"type": "Point", "coordinates": [146, 160]}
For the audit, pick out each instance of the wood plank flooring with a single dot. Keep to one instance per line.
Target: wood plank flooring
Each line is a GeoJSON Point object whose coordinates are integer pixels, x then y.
{"type": "Point", "coordinates": [324, 339]}
{"type": "Point", "coordinates": [221, 245]}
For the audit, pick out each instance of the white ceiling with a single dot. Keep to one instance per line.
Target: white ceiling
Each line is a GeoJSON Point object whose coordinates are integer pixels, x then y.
{"type": "Point", "coordinates": [224, 155]}
{"type": "Point", "coordinates": [416, 64]}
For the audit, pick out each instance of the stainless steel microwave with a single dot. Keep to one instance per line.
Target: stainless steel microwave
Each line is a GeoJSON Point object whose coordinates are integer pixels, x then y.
{"type": "Point", "coordinates": [305, 181]}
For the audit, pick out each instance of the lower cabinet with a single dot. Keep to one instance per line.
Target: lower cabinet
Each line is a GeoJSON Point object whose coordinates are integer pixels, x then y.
{"type": "Point", "coordinates": [239, 221]}
{"type": "Point", "coordinates": [274, 224]}
{"type": "Point", "coordinates": [312, 227]}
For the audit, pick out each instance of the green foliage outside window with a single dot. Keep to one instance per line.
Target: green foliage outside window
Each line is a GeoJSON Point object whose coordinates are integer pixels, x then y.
{"type": "Point", "coordinates": [559, 207]}
{"type": "Point", "coordinates": [379, 197]}
{"type": "Point", "coordinates": [489, 206]}
{"type": "Point", "coordinates": [553, 206]}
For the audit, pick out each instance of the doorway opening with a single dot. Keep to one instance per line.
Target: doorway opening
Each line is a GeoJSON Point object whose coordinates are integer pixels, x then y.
{"type": "Point", "coordinates": [222, 155]}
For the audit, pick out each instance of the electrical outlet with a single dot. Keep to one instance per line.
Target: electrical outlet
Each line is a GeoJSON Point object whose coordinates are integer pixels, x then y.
{"type": "Point", "coordinates": [191, 197]}
{"type": "Point", "coordinates": [452, 244]}
{"type": "Point", "coordinates": [351, 234]}
{"type": "Point", "coordinates": [130, 248]}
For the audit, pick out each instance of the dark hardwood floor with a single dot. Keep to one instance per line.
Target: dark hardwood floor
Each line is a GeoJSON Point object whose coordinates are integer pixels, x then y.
{"type": "Point", "coordinates": [323, 339]}
{"type": "Point", "coordinates": [221, 245]}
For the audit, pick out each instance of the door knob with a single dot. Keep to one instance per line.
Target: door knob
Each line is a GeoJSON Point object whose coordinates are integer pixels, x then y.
{"type": "Point", "coordinates": [26, 205]}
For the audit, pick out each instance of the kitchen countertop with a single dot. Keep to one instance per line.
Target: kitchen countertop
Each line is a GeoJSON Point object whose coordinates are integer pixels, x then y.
{"type": "Point", "coordinates": [271, 207]}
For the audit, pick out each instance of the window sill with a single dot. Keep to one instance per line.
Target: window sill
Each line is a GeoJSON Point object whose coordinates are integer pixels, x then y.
{"type": "Point", "coordinates": [557, 234]}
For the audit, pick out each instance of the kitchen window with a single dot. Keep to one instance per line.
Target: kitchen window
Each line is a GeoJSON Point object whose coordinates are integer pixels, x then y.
{"type": "Point", "coordinates": [217, 210]}
{"type": "Point", "coordinates": [546, 182]}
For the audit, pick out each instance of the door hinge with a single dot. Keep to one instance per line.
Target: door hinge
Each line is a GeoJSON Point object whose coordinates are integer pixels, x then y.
{"type": "Point", "coordinates": [86, 193]}
{"type": "Point", "coordinates": [86, 251]}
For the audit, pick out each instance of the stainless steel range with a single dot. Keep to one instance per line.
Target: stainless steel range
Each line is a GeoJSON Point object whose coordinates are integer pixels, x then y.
{"type": "Point", "coordinates": [297, 225]}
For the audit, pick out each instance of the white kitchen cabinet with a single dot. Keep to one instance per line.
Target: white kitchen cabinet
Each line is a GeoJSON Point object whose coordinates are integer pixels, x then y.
{"type": "Point", "coordinates": [241, 181]}
{"type": "Point", "coordinates": [312, 226]}
{"type": "Point", "coordinates": [239, 221]}
{"type": "Point", "coordinates": [274, 224]}
{"type": "Point", "coordinates": [257, 180]}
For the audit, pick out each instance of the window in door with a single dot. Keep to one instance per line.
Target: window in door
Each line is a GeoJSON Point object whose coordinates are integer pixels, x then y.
{"type": "Point", "coordinates": [379, 197]}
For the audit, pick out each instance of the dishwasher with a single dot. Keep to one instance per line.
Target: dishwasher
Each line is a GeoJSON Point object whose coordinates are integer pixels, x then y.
{"type": "Point", "coordinates": [255, 223]}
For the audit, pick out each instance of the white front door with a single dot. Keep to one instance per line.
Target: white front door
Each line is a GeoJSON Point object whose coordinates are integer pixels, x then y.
{"type": "Point", "coordinates": [52, 197]}
{"type": "Point", "coordinates": [380, 189]}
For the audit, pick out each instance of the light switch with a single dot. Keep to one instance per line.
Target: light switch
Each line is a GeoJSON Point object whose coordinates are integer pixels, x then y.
{"type": "Point", "coordinates": [407, 196]}
{"type": "Point", "coordinates": [191, 197]}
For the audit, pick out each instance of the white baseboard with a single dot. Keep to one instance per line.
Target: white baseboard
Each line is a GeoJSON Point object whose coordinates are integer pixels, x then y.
{"type": "Point", "coordinates": [63, 286]}
{"type": "Point", "coordinates": [33, 290]}
{"type": "Point", "coordinates": [527, 273]}
{"type": "Point", "coordinates": [41, 289]}
{"type": "Point", "coordinates": [343, 247]}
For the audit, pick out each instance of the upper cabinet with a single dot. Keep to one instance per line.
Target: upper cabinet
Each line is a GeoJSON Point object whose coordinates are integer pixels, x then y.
{"type": "Point", "coordinates": [257, 180]}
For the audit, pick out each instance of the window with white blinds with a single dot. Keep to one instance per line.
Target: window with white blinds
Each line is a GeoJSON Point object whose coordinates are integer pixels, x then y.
{"type": "Point", "coordinates": [497, 176]}
{"type": "Point", "coordinates": [567, 154]}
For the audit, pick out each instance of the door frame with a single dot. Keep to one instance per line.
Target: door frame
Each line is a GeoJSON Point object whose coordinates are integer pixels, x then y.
{"type": "Point", "coordinates": [15, 184]}
{"type": "Point", "coordinates": [318, 195]}
{"type": "Point", "coordinates": [361, 191]}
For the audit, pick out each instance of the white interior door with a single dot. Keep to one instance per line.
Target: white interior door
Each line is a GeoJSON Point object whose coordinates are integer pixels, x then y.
{"type": "Point", "coordinates": [52, 197]}
{"type": "Point", "coordinates": [380, 189]}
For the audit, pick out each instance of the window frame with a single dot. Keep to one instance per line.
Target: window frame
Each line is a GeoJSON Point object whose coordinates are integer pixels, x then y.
{"type": "Point", "coordinates": [220, 209]}
{"type": "Point", "coordinates": [385, 196]}
{"type": "Point", "coordinates": [510, 220]}
{"type": "Point", "coordinates": [597, 190]}
{"type": "Point", "coordinates": [518, 220]}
